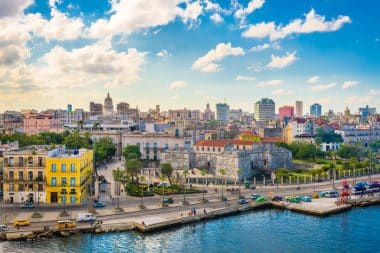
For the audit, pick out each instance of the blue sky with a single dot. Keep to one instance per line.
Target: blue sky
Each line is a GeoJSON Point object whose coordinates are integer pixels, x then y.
{"type": "Point", "coordinates": [180, 53]}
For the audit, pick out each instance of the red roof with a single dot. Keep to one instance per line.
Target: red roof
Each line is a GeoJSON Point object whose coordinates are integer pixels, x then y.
{"type": "Point", "coordinates": [212, 143]}
{"type": "Point", "coordinates": [241, 142]}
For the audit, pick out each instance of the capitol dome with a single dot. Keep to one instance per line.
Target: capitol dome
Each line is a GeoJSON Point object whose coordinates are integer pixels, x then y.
{"type": "Point", "coordinates": [108, 105]}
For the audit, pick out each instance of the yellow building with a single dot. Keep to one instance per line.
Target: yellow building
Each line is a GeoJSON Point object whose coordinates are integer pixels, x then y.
{"type": "Point", "coordinates": [249, 136]}
{"type": "Point", "coordinates": [68, 176]}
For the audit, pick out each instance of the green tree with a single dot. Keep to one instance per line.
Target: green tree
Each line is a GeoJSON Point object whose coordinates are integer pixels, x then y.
{"type": "Point", "coordinates": [104, 149]}
{"type": "Point", "coordinates": [118, 177]}
{"type": "Point", "coordinates": [323, 136]}
{"type": "Point", "coordinates": [76, 141]}
{"type": "Point", "coordinates": [131, 151]}
{"type": "Point", "coordinates": [142, 179]}
{"type": "Point", "coordinates": [204, 173]}
{"type": "Point", "coordinates": [133, 167]}
{"type": "Point", "coordinates": [167, 171]}
{"type": "Point", "coordinates": [223, 173]}
{"type": "Point", "coordinates": [185, 173]}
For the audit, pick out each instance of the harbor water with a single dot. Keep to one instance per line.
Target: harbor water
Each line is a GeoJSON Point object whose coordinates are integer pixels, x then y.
{"type": "Point", "coordinates": [259, 231]}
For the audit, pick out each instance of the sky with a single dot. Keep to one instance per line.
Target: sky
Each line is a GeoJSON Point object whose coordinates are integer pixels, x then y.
{"type": "Point", "coordinates": [187, 53]}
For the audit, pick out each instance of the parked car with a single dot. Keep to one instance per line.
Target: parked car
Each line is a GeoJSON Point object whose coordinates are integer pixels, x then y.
{"type": "Point", "coordinates": [3, 228]}
{"type": "Point", "coordinates": [167, 201]}
{"type": "Point", "coordinates": [331, 194]}
{"type": "Point", "coordinates": [277, 198]}
{"type": "Point", "coordinates": [374, 187]}
{"type": "Point", "coordinates": [27, 205]}
{"type": "Point", "coordinates": [85, 217]}
{"type": "Point", "coordinates": [255, 196]}
{"type": "Point", "coordinates": [65, 224]}
{"type": "Point", "coordinates": [305, 199]}
{"type": "Point", "coordinates": [261, 200]}
{"type": "Point", "coordinates": [163, 185]}
{"type": "Point", "coordinates": [243, 201]}
{"type": "Point", "coordinates": [21, 222]}
{"type": "Point", "coordinates": [99, 204]}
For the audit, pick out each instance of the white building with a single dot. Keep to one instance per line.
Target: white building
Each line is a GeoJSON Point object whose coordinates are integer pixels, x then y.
{"type": "Point", "coordinates": [264, 110]}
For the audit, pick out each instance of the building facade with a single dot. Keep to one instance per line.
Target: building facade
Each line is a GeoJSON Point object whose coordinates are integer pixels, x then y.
{"type": "Point", "coordinates": [264, 110]}
{"type": "Point", "coordinates": [286, 112]}
{"type": "Point", "coordinates": [96, 109]}
{"type": "Point", "coordinates": [316, 110]}
{"type": "Point", "coordinates": [184, 114]}
{"type": "Point", "coordinates": [299, 109]}
{"type": "Point", "coordinates": [108, 106]}
{"type": "Point", "coordinates": [222, 112]}
{"type": "Point", "coordinates": [35, 123]}
{"type": "Point", "coordinates": [68, 175]}
{"type": "Point", "coordinates": [208, 114]}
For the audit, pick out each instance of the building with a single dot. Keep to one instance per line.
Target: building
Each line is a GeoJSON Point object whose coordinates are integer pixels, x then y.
{"type": "Point", "coordinates": [184, 114]}
{"type": "Point", "coordinates": [316, 110]}
{"type": "Point", "coordinates": [108, 106]}
{"type": "Point", "coordinates": [347, 112]}
{"type": "Point", "coordinates": [299, 109]}
{"type": "Point", "coordinates": [152, 144]}
{"type": "Point", "coordinates": [299, 129]}
{"type": "Point", "coordinates": [208, 114]}
{"type": "Point", "coordinates": [96, 109]}
{"type": "Point", "coordinates": [367, 111]}
{"type": "Point", "coordinates": [235, 114]}
{"type": "Point", "coordinates": [35, 123]}
{"type": "Point", "coordinates": [12, 121]}
{"type": "Point", "coordinates": [264, 110]}
{"type": "Point", "coordinates": [286, 112]}
{"type": "Point", "coordinates": [122, 108]}
{"type": "Point", "coordinates": [222, 112]}
{"type": "Point", "coordinates": [69, 108]}
{"type": "Point", "coordinates": [24, 178]}
{"type": "Point", "coordinates": [68, 175]}
{"type": "Point", "coordinates": [353, 135]}
{"type": "Point", "coordinates": [249, 136]}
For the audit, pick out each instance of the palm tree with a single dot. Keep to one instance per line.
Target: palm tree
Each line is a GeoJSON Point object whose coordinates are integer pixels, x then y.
{"type": "Point", "coordinates": [162, 178]}
{"type": "Point", "coordinates": [222, 172]}
{"type": "Point", "coordinates": [167, 170]}
{"type": "Point", "coordinates": [89, 175]}
{"type": "Point", "coordinates": [204, 173]}
{"type": "Point", "coordinates": [185, 173]}
{"type": "Point", "coordinates": [142, 179]}
{"type": "Point", "coordinates": [117, 176]}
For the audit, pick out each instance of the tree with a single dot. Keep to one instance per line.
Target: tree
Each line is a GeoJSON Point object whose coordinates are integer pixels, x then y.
{"type": "Point", "coordinates": [75, 141]}
{"type": "Point", "coordinates": [118, 177]}
{"type": "Point", "coordinates": [131, 151]}
{"type": "Point", "coordinates": [185, 173]}
{"type": "Point", "coordinates": [222, 172]}
{"type": "Point", "coordinates": [167, 171]}
{"type": "Point", "coordinates": [239, 171]}
{"type": "Point", "coordinates": [323, 136]}
{"type": "Point", "coordinates": [142, 179]}
{"type": "Point", "coordinates": [89, 174]}
{"type": "Point", "coordinates": [133, 167]}
{"type": "Point", "coordinates": [348, 151]}
{"type": "Point", "coordinates": [104, 149]}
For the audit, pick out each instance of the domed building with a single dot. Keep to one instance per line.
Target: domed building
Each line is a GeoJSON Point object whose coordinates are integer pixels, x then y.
{"type": "Point", "coordinates": [108, 106]}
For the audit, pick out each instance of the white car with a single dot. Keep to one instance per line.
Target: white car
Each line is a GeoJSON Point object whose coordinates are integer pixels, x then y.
{"type": "Point", "coordinates": [3, 228]}
{"type": "Point", "coordinates": [86, 217]}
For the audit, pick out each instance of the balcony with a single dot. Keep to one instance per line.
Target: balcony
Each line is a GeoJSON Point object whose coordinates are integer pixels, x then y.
{"type": "Point", "coordinates": [25, 180]}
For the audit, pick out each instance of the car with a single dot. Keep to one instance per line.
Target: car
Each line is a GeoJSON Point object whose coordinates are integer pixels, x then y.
{"type": "Point", "coordinates": [305, 199]}
{"type": "Point", "coordinates": [65, 224]}
{"type": "Point", "coordinates": [255, 196]}
{"type": "Point", "coordinates": [86, 217]}
{"type": "Point", "coordinates": [163, 185]}
{"type": "Point", "coordinates": [27, 205]}
{"type": "Point", "coordinates": [243, 201]}
{"type": "Point", "coordinates": [99, 204]}
{"type": "Point", "coordinates": [261, 200]}
{"type": "Point", "coordinates": [331, 194]}
{"type": "Point", "coordinates": [167, 201]}
{"type": "Point", "coordinates": [277, 198]}
{"type": "Point", "coordinates": [3, 228]}
{"type": "Point", "coordinates": [21, 222]}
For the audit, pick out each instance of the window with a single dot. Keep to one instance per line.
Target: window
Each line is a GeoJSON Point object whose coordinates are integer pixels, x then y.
{"type": "Point", "coordinates": [53, 181]}
{"type": "Point", "coordinates": [63, 167]}
{"type": "Point", "coordinates": [20, 175]}
{"type": "Point", "coordinates": [166, 146]}
{"type": "Point", "coordinates": [40, 187]}
{"type": "Point", "coordinates": [176, 146]}
{"type": "Point", "coordinates": [30, 175]}
{"type": "Point", "coordinates": [30, 160]}
{"type": "Point", "coordinates": [21, 187]}
{"type": "Point", "coordinates": [72, 167]}
{"type": "Point", "coordinates": [30, 187]}
{"type": "Point", "coordinates": [11, 175]}
{"type": "Point", "coordinates": [53, 167]}
{"type": "Point", "coordinates": [72, 199]}
{"type": "Point", "coordinates": [11, 187]}
{"type": "Point", "coordinates": [40, 162]}
{"type": "Point", "coordinates": [219, 149]}
{"type": "Point", "coordinates": [40, 176]}
{"type": "Point", "coordinates": [20, 161]}
{"type": "Point", "coordinates": [63, 181]}
{"type": "Point", "coordinates": [72, 181]}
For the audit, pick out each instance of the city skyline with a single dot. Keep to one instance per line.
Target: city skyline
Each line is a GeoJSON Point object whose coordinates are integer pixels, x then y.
{"type": "Point", "coordinates": [56, 53]}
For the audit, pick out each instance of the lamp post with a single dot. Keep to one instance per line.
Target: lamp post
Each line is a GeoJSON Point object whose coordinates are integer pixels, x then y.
{"type": "Point", "coordinates": [333, 169]}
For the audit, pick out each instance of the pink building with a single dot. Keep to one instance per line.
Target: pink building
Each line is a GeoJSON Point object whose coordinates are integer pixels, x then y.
{"type": "Point", "coordinates": [35, 123]}
{"type": "Point", "coordinates": [286, 111]}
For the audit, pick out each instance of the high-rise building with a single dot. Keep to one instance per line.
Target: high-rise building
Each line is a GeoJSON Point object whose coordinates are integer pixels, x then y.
{"type": "Point", "coordinates": [222, 112]}
{"type": "Point", "coordinates": [108, 106]}
{"type": "Point", "coordinates": [347, 112]}
{"type": "Point", "coordinates": [316, 110]}
{"type": "Point", "coordinates": [264, 109]}
{"type": "Point", "coordinates": [96, 109]}
{"type": "Point", "coordinates": [286, 112]}
{"type": "Point", "coordinates": [299, 108]}
{"type": "Point", "coordinates": [122, 108]}
{"type": "Point", "coordinates": [367, 111]}
{"type": "Point", "coordinates": [208, 114]}
{"type": "Point", "coordinates": [69, 108]}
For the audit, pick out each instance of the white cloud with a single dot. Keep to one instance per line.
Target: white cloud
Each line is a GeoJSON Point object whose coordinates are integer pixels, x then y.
{"type": "Point", "coordinates": [179, 84]}
{"type": "Point", "coordinates": [255, 67]}
{"type": "Point", "coordinates": [348, 84]}
{"type": "Point", "coordinates": [259, 48]}
{"type": "Point", "coordinates": [191, 13]}
{"type": "Point", "coordinates": [280, 92]}
{"type": "Point", "coordinates": [312, 23]}
{"type": "Point", "coordinates": [374, 92]}
{"type": "Point", "coordinates": [174, 97]}
{"type": "Point", "coordinates": [216, 18]}
{"type": "Point", "coordinates": [11, 8]}
{"type": "Point", "coordinates": [129, 16]}
{"type": "Point", "coordinates": [253, 5]}
{"type": "Point", "coordinates": [282, 62]}
{"type": "Point", "coordinates": [322, 87]}
{"type": "Point", "coordinates": [206, 63]}
{"type": "Point", "coordinates": [59, 27]}
{"type": "Point", "coordinates": [270, 83]}
{"type": "Point", "coordinates": [313, 79]}
{"type": "Point", "coordinates": [163, 53]}
{"type": "Point", "coordinates": [244, 78]}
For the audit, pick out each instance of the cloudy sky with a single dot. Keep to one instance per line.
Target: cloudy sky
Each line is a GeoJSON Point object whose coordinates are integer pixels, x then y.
{"type": "Point", "coordinates": [185, 53]}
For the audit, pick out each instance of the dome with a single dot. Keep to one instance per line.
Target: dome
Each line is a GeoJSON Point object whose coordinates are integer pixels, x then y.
{"type": "Point", "coordinates": [108, 100]}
